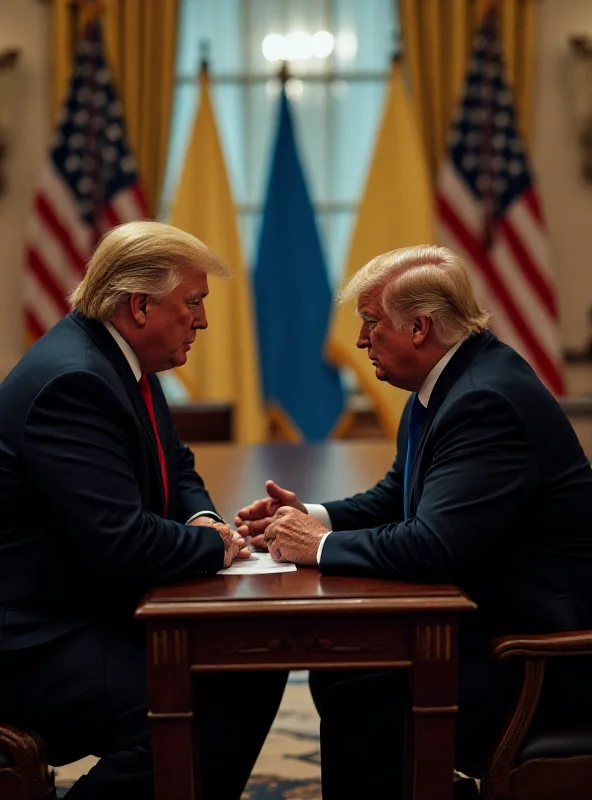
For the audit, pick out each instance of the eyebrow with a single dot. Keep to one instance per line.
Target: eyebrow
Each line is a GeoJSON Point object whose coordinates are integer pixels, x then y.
{"type": "Point", "coordinates": [192, 298]}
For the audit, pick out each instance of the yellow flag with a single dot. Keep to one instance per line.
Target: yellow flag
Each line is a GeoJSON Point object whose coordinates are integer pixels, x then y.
{"type": "Point", "coordinates": [222, 364]}
{"type": "Point", "coordinates": [395, 211]}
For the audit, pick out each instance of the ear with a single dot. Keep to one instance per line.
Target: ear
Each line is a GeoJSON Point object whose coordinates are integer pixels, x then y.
{"type": "Point", "coordinates": [139, 307]}
{"type": "Point", "coordinates": [419, 329]}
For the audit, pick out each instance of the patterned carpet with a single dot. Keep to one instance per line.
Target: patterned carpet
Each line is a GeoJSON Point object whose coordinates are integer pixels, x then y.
{"type": "Point", "coordinates": [289, 765]}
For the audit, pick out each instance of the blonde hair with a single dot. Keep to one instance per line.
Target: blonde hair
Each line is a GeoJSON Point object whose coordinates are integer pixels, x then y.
{"type": "Point", "coordinates": [423, 280]}
{"type": "Point", "coordinates": [142, 256]}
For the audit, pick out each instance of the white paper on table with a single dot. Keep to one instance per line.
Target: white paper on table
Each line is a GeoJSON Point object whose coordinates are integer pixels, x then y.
{"type": "Point", "coordinates": [258, 564]}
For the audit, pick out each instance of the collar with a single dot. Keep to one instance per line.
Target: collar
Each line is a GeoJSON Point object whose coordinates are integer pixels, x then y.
{"type": "Point", "coordinates": [427, 387]}
{"type": "Point", "coordinates": [131, 358]}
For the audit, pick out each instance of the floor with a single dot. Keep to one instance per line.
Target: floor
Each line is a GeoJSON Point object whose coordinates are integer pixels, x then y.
{"type": "Point", "coordinates": [289, 764]}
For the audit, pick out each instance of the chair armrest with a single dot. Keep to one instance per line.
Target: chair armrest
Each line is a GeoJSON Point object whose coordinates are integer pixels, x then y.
{"type": "Point", "coordinates": [546, 645]}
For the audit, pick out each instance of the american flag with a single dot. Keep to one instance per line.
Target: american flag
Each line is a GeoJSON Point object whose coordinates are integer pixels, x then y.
{"type": "Point", "coordinates": [488, 211]}
{"type": "Point", "coordinates": [88, 184]}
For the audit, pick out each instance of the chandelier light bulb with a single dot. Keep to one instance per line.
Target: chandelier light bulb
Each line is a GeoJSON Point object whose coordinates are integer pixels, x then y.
{"type": "Point", "coordinates": [274, 47]}
{"type": "Point", "coordinates": [298, 46]}
{"type": "Point", "coordinates": [322, 44]}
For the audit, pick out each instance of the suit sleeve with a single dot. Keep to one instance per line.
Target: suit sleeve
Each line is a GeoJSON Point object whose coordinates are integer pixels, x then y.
{"type": "Point", "coordinates": [78, 443]}
{"type": "Point", "coordinates": [192, 495]}
{"type": "Point", "coordinates": [383, 503]}
{"type": "Point", "coordinates": [482, 471]}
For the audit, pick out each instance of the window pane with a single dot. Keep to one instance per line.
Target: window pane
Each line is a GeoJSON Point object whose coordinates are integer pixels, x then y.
{"type": "Point", "coordinates": [184, 105]}
{"type": "Point", "coordinates": [217, 23]}
{"type": "Point", "coordinates": [357, 110]}
{"type": "Point", "coordinates": [342, 225]}
{"type": "Point", "coordinates": [336, 118]}
{"type": "Point", "coordinates": [364, 34]}
{"type": "Point", "coordinates": [230, 111]}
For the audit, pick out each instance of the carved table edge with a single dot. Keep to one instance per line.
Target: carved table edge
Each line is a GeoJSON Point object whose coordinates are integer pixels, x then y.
{"type": "Point", "coordinates": [193, 609]}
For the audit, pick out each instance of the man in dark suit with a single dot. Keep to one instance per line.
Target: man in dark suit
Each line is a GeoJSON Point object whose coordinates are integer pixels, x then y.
{"type": "Point", "coordinates": [490, 490]}
{"type": "Point", "coordinates": [100, 502]}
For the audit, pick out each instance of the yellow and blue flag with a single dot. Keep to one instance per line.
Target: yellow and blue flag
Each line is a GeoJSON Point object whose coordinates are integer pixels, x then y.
{"type": "Point", "coordinates": [293, 300]}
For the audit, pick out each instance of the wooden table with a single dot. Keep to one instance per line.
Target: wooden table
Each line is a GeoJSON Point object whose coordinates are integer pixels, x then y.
{"type": "Point", "coordinates": [300, 620]}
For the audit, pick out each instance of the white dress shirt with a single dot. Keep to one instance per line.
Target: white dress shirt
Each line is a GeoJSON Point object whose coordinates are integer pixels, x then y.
{"type": "Point", "coordinates": [425, 392]}
{"type": "Point", "coordinates": [134, 362]}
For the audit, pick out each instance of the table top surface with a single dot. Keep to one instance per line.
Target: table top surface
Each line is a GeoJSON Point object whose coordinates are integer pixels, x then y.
{"type": "Point", "coordinates": [235, 475]}
{"type": "Point", "coordinates": [288, 593]}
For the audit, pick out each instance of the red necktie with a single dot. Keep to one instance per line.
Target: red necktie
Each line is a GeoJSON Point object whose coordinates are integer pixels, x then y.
{"type": "Point", "coordinates": [146, 393]}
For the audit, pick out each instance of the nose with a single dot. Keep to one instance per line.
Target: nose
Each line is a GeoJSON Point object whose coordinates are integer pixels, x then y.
{"type": "Point", "coordinates": [363, 340]}
{"type": "Point", "coordinates": [200, 321]}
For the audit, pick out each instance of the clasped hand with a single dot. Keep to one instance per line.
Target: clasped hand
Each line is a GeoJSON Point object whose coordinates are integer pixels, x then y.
{"type": "Point", "coordinates": [234, 544]}
{"type": "Point", "coordinates": [281, 524]}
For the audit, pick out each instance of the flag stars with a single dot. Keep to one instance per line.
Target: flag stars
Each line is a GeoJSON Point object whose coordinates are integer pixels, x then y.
{"type": "Point", "coordinates": [90, 151]}
{"type": "Point", "coordinates": [499, 140]}
{"type": "Point", "coordinates": [454, 137]}
{"type": "Point", "coordinates": [478, 115]}
{"type": "Point", "coordinates": [113, 132]}
{"type": "Point", "coordinates": [503, 119]}
{"type": "Point", "coordinates": [76, 141]}
{"type": "Point", "coordinates": [500, 185]}
{"type": "Point", "coordinates": [469, 161]}
{"type": "Point", "coordinates": [85, 185]}
{"type": "Point", "coordinates": [88, 163]}
{"type": "Point", "coordinates": [103, 75]}
{"type": "Point", "coordinates": [72, 162]}
{"type": "Point", "coordinates": [483, 182]}
{"type": "Point", "coordinates": [110, 154]}
{"type": "Point", "coordinates": [515, 145]}
{"type": "Point", "coordinates": [100, 100]}
{"type": "Point", "coordinates": [80, 117]}
{"type": "Point", "coordinates": [84, 94]}
{"type": "Point", "coordinates": [128, 164]}
{"type": "Point", "coordinates": [515, 167]}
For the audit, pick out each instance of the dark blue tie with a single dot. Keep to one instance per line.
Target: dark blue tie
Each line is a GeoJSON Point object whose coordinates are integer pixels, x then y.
{"type": "Point", "coordinates": [417, 418]}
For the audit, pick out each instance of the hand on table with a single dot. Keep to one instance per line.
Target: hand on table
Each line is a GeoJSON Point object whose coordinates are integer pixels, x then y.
{"type": "Point", "coordinates": [253, 520]}
{"type": "Point", "coordinates": [234, 544]}
{"type": "Point", "coordinates": [294, 536]}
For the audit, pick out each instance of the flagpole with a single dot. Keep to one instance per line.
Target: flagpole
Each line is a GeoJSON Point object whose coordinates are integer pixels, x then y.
{"type": "Point", "coordinates": [204, 47]}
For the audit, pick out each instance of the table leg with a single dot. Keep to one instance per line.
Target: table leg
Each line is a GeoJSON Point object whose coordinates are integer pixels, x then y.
{"type": "Point", "coordinates": [429, 740]}
{"type": "Point", "coordinates": [170, 703]}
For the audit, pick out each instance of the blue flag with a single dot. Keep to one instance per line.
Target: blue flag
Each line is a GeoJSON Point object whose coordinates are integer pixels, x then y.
{"type": "Point", "coordinates": [293, 300]}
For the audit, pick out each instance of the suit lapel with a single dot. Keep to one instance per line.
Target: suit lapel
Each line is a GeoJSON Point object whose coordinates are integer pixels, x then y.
{"type": "Point", "coordinates": [456, 367]}
{"type": "Point", "coordinates": [107, 344]}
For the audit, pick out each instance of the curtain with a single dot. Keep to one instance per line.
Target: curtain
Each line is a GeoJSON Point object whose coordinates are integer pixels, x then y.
{"type": "Point", "coordinates": [437, 38]}
{"type": "Point", "coordinates": [140, 37]}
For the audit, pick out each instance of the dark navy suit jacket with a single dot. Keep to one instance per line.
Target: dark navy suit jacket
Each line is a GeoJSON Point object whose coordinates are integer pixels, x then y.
{"type": "Point", "coordinates": [82, 531]}
{"type": "Point", "coordinates": [500, 500]}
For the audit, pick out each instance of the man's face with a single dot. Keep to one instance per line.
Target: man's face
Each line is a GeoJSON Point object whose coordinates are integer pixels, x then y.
{"type": "Point", "coordinates": [171, 324]}
{"type": "Point", "coordinates": [391, 351]}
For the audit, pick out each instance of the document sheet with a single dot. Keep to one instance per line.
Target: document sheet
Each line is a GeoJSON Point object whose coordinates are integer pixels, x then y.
{"type": "Point", "coordinates": [258, 564]}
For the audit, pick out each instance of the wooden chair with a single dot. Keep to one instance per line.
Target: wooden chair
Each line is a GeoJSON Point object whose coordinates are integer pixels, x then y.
{"type": "Point", "coordinates": [24, 773]}
{"type": "Point", "coordinates": [540, 762]}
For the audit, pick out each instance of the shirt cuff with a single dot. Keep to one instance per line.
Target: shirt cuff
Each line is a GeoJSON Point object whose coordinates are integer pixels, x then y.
{"type": "Point", "coordinates": [208, 513]}
{"type": "Point", "coordinates": [319, 512]}
{"type": "Point", "coordinates": [321, 545]}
